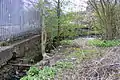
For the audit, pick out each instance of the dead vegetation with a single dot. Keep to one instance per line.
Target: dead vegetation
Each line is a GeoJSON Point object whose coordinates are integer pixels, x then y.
{"type": "Point", "coordinates": [104, 67]}
{"type": "Point", "coordinates": [107, 68]}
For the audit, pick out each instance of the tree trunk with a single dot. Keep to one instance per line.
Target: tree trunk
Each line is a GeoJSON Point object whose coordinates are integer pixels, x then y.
{"type": "Point", "coordinates": [106, 13]}
{"type": "Point", "coordinates": [43, 32]}
{"type": "Point", "coordinates": [58, 15]}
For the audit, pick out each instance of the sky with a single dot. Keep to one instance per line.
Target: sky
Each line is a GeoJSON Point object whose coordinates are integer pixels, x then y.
{"type": "Point", "coordinates": [78, 5]}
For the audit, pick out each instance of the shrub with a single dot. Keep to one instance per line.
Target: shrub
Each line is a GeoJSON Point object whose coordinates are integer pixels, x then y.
{"type": "Point", "coordinates": [4, 43]}
{"type": "Point", "coordinates": [47, 73]}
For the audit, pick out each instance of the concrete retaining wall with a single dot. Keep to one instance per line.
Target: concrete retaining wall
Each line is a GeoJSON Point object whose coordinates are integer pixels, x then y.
{"type": "Point", "coordinates": [23, 48]}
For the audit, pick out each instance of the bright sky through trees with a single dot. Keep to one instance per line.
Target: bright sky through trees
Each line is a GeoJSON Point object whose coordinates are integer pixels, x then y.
{"type": "Point", "coordinates": [77, 5]}
{"type": "Point", "coordinates": [74, 5]}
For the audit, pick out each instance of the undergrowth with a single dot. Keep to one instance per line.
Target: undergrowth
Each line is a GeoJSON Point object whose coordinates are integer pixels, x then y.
{"type": "Point", "coordinates": [83, 54]}
{"type": "Point", "coordinates": [104, 43]}
{"type": "Point", "coordinates": [66, 42]}
{"type": "Point", "coordinates": [64, 65]}
{"type": "Point", "coordinates": [4, 43]}
{"type": "Point", "coordinates": [47, 73]}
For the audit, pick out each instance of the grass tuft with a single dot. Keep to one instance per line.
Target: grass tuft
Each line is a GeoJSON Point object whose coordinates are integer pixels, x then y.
{"type": "Point", "coordinates": [66, 42]}
{"type": "Point", "coordinates": [104, 43]}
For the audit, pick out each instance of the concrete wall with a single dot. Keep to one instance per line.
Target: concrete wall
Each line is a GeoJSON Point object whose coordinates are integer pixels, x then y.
{"type": "Point", "coordinates": [24, 48]}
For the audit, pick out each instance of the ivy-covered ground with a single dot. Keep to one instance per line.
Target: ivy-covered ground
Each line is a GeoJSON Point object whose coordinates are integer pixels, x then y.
{"type": "Point", "coordinates": [79, 59]}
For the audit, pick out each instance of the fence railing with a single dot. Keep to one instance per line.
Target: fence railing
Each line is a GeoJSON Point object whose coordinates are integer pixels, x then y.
{"type": "Point", "coordinates": [16, 19]}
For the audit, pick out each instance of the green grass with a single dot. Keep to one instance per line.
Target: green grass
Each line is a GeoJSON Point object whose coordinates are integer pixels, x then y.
{"type": "Point", "coordinates": [83, 54]}
{"type": "Point", "coordinates": [64, 65]}
{"type": "Point", "coordinates": [66, 42]}
{"type": "Point", "coordinates": [104, 43]}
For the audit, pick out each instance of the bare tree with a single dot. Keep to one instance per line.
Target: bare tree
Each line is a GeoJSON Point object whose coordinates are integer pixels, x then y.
{"type": "Point", "coordinates": [106, 14]}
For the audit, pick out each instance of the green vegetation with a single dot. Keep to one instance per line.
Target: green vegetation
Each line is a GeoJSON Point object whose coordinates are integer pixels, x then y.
{"type": "Point", "coordinates": [66, 42]}
{"type": "Point", "coordinates": [83, 54]}
{"type": "Point", "coordinates": [4, 43]}
{"type": "Point", "coordinates": [104, 43]}
{"type": "Point", "coordinates": [47, 73]}
{"type": "Point", "coordinates": [67, 29]}
{"type": "Point", "coordinates": [106, 18]}
{"type": "Point", "coordinates": [64, 65]}
{"type": "Point", "coordinates": [60, 26]}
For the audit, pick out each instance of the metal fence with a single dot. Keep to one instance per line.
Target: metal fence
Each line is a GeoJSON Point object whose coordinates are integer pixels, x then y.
{"type": "Point", "coordinates": [17, 17]}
